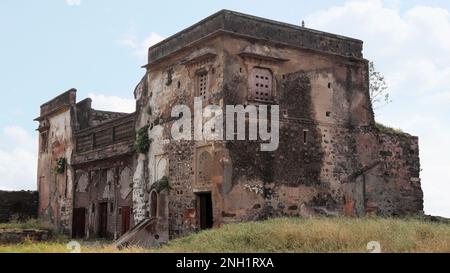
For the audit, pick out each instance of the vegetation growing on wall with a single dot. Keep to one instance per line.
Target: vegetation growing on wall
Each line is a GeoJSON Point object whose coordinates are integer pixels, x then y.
{"type": "Point", "coordinates": [389, 130]}
{"type": "Point", "coordinates": [160, 185]}
{"type": "Point", "coordinates": [60, 166]}
{"type": "Point", "coordinates": [142, 142]}
{"type": "Point", "coordinates": [379, 94]}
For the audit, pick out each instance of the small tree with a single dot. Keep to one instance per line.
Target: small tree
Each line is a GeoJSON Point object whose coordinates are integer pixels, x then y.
{"type": "Point", "coordinates": [379, 95]}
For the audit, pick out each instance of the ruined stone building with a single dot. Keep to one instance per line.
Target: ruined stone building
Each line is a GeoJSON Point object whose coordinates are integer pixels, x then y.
{"type": "Point", "coordinates": [332, 159]}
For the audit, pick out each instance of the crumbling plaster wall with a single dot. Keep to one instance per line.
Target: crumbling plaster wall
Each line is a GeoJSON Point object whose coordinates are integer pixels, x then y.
{"type": "Point", "coordinates": [55, 190]}
{"type": "Point", "coordinates": [107, 182]}
{"type": "Point", "coordinates": [178, 157]}
{"type": "Point", "coordinates": [89, 117]}
{"type": "Point", "coordinates": [323, 177]}
{"type": "Point", "coordinates": [317, 173]}
{"type": "Point", "coordinates": [316, 94]}
{"type": "Point", "coordinates": [60, 119]}
{"type": "Point", "coordinates": [239, 197]}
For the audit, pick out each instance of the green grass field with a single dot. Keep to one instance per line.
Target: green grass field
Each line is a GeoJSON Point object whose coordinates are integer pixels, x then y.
{"type": "Point", "coordinates": [30, 224]}
{"type": "Point", "coordinates": [292, 235]}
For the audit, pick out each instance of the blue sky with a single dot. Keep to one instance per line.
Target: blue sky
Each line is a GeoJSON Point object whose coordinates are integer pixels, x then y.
{"type": "Point", "coordinates": [98, 46]}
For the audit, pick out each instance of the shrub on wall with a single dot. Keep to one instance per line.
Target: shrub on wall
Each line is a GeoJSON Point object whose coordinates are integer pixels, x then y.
{"type": "Point", "coordinates": [160, 185]}
{"type": "Point", "coordinates": [60, 166]}
{"type": "Point", "coordinates": [142, 143]}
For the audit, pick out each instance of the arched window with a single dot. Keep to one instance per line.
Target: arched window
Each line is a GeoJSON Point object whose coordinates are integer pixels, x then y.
{"type": "Point", "coordinates": [153, 204]}
{"type": "Point", "coordinates": [261, 84]}
{"type": "Point", "coordinates": [160, 171]}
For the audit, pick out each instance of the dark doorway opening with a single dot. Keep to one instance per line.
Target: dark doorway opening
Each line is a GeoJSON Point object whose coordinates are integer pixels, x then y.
{"type": "Point", "coordinates": [153, 204]}
{"type": "Point", "coordinates": [79, 223]}
{"type": "Point", "coordinates": [103, 220]}
{"type": "Point", "coordinates": [205, 210]}
{"type": "Point", "coordinates": [126, 217]}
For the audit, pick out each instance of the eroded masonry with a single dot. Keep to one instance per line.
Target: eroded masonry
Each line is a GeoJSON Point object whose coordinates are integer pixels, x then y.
{"type": "Point", "coordinates": [115, 175]}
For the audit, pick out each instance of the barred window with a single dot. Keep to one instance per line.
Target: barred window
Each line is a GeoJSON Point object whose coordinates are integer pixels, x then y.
{"type": "Point", "coordinates": [261, 84]}
{"type": "Point", "coordinates": [202, 84]}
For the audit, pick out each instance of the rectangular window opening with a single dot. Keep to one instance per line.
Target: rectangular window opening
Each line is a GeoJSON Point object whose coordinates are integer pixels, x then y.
{"type": "Point", "coordinates": [202, 84]}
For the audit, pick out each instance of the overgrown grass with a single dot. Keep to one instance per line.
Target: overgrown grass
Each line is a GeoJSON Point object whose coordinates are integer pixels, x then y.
{"type": "Point", "coordinates": [389, 130]}
{"type": "Point", "coordinates": [292, 235]}
{"type": "Point", "coordinates": [30, 224]}
{"type": "Point", "coordinates": [319, 235]}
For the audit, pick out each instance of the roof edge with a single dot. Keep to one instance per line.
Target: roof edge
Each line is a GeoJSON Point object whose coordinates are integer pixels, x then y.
{"type": "Point", "coordinates": [227, 20]}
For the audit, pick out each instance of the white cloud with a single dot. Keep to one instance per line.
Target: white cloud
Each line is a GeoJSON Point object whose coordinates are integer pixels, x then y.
{"type": "Point", "coordinates": [140, 48]}
{"type": "Point", "coordinates": [439, 98]}
{"type": "Point", "coordinates": [18, 159]}
{"type": "Point", "coordinates": [73, 2]}
{"type": "Point", "coordinates": [412, 50]}
{"type": "Point", "coordinates": [112, 103]}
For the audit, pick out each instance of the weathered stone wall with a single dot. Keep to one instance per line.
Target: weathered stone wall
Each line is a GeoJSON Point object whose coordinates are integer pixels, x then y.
{"type": "Point", "coordinates": [322, 95]}
{"type": "Point", "coordinates": [400, 155]}
{"type": "Point", "coordinates": [86, 139]}
{"type": "Point", "coordinates": [392, 178]}
{"type": "Point", "coordinates": [108, 183]}
{"type": "Point", "coordinates": [55, 143]}
{"type": "Point", "coordinates": [331, 158]}
{"type": "Point", "coordinates": [176, 160]}
{"type": "Point", "coordinates": [99, 117]}
{"type": "Point", "coordinates": [257, 28]}
{"type": "Point", "coordinates": [17, 236]}
{"type": "Point", "coordinates": [18, 205]}
{"type": "Point", "coordinates": [320, 166]}
{"type": "Point", "coordinates": [104, 167]}
{"type": "Point", "coordinates": [89, 117]}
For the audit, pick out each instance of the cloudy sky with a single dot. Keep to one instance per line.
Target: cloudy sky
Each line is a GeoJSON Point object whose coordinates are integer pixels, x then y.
{"type": "Point", "coordinates": [98, 46]}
